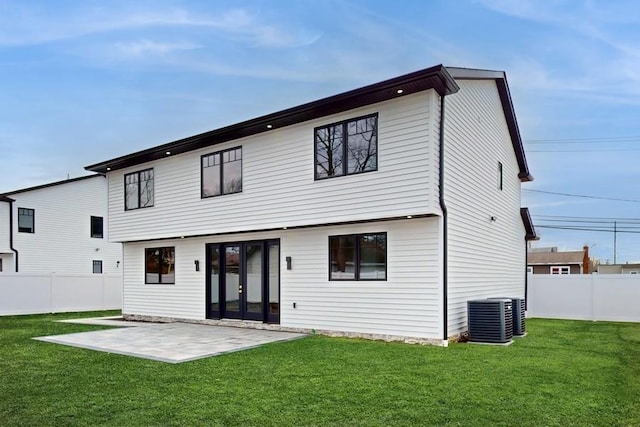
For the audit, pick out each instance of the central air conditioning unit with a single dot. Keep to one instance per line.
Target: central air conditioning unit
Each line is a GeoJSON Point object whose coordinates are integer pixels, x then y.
{"type": "Point", "coordinates": [490, 320]}
{"type": "Point", "coordinates": [519, 328]}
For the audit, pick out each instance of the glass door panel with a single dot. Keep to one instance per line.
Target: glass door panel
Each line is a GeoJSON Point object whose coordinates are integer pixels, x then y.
{"type": "Point", "coordinates": [273, 281]}
{"type": "Point", "coordinates": [214, 279]}
{"type": "Point", "coordinates": [232, 281]}
{"type": "Point", "coordinates": [252, 297]}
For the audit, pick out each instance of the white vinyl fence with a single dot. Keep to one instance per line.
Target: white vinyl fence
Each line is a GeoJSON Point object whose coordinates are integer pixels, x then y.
{"type": "Point", "coordinates": [24, 293]}
{"type": "Point", "coordinates": [614, 297]}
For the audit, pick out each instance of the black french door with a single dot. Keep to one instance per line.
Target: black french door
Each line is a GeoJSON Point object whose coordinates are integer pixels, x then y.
{"type": "Point", "coordinates": [243, 280]}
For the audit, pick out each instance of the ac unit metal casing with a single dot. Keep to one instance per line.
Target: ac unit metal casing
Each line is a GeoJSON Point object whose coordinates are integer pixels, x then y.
{"type": "Point", "coordinates": [519, 326]}
{"type": "Point", "coordinates": [490, 320]}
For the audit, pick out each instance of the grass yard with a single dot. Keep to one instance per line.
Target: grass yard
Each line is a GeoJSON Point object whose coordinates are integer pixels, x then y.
{"type": "Point", "coordinates": [562, 373]}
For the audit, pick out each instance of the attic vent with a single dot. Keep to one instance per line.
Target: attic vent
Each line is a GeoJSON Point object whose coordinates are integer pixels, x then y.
{"type": "Point", "coordinates": [490, 320]}
{"type": "Point", "coordinates": [519, 329]}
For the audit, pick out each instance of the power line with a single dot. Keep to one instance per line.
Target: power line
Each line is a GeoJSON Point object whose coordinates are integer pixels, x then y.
{"type": "Point", "coordinates": [582, 151]}
{"type": "Point", "coordinates": [585, 229]}
{"type": "Point", "coordinates": [573, 221]}
{"type": "Point", "coordinates": [582, 196]}
{"type": "Point", "coordinates": [599, 140]}
{"type": "Point", "coordinates": [586, 217]}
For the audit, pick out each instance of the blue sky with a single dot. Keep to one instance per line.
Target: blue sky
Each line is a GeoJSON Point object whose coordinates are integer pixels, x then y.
{"type": "Point", "coordinates": [85, 81]}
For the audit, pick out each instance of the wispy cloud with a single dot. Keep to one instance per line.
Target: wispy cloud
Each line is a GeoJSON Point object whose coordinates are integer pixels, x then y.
{"type": "Point", "coordinates": [140, 48]}
{"type": "Point", "coordinates": [22, 24]}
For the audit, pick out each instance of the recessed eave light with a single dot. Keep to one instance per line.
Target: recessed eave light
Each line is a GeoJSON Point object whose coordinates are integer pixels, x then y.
{"type": "Point", "coordinates": [168, 153]}
{"type": "Point", "coordinates": [400, 91]}
{"type": "Point", "coordinates": [108, 169]}
{"type": "Point", "coordinates": [409, 217]}
{"type": "Point", "coordinates": [269, 126]}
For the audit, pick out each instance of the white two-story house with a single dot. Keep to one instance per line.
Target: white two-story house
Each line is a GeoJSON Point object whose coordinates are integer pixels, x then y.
{"type": "Point", "coordinates": [376, 212]}
{"type": "Point", "coordinates": [59, 227]}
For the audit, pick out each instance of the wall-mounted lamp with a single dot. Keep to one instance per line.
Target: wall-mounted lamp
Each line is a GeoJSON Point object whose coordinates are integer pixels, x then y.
{"type": "Point", "coordinates": [197, 263]}
{"type": "Point", "coordinates": [117, 264]}
{"type": "Point", "coordinates": [288, 262]}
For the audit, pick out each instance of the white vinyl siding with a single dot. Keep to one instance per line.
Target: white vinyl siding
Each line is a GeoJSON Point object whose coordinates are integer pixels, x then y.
{"type": "Point", "coordinates": [62, 240]}
{"type": "Point", "coordinates": [407, 304]}
{"type": "Point", "coordinates": [486, 257]}
{"type": "Point", "coordinates": [4, 227]}
{"type": "Point", "coordinates": [278, 185]}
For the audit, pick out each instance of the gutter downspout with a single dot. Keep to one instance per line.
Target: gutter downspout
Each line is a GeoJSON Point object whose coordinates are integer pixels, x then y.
{"type": "Point", "coordinates": [526, 273]}
{"type": "Point", "coordinates": [443, 208]}
{"type": "Point", "coordinates": [15, 251]}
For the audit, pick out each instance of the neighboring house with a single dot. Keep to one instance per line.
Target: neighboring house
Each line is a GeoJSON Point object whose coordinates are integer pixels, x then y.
{"type": "Point", "coordinates": [550, 261]}
{"type": "Point", "coordinates": [59, 227]}
{"type": "Point", "coordinates": [339, 215]}
{"type": "Point", "coordinates": [619, 268]}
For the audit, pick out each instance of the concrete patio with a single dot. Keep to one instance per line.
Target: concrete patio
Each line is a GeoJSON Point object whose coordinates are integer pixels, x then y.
{"type": "Point", "coordinates": [167, 342]}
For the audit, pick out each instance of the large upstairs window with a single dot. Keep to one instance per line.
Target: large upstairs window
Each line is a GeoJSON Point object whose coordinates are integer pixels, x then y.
{"type": "Point", "coordinates": [138, 189]}
{"type": "Point", "coordinates": [347, 148]}
{"type": "Point", "coordinates": [26, 220]}
{"type": "Point", "coordinates": [222, 172]}
{"type": "Point", "coordinates": [97, 229]}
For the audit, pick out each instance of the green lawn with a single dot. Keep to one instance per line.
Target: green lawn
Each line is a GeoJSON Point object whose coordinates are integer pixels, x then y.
{"type": "Point", "coordinates": [562, 373]}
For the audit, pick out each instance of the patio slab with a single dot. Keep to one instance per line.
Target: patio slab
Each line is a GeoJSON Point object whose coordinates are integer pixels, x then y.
{"type": "Point", "coordinates": [171, 342]}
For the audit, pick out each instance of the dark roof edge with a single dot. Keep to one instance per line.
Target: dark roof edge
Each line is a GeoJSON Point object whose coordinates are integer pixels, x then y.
{"type": "Point", "coordinates": [500, 78]}
{"type": "Point", "coordinates": [4, 198]}
{"type": "Point", "coordinates": [528, 225]}
{"type": "Point", "coordinates": [52, 184]}
{"type": "Point", "coordinates": [436, 78]}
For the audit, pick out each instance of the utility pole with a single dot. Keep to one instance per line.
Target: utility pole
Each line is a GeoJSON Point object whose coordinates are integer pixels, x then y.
{"type": "Point", "coordinates": [615, 230]}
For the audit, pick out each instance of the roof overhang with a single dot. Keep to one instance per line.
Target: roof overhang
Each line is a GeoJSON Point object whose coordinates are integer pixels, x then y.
{"type": "Point", "coordinates": [51, 184]}
{"type": "Point", "coordinates": [4, 198]}
{"type": "Point", "coordinates": [530, 231]}
{"type": "Point", "coordinates": [436, 78]}
{"type": "Point", "coordinates": [507, 106]}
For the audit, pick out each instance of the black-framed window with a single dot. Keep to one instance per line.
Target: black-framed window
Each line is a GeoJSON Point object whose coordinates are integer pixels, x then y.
{"type": "Point", "coordinates": [97, 230]}
{"type": "Point", "coordinates": [499, 175]}
{"type": "Point", "coordinates": [159, 267]}
{"type": "Point", "coordinates": [358, 257]}
{"type": "Point", "coordinates": [97, 266]}
{"type": "Point", "coordinates": [347, 147]}
{"type": "Point", "coordinates": [138, 189]}
{"type": "Point", "coordinates": [26, 220]}
{"type": "Point", "coordinates": [221, 172]}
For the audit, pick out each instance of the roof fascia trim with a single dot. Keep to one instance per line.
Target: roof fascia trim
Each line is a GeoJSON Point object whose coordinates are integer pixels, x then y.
{"type": "Point", "coordinates": [53, 184]}
{"type": "Point", "coordinates": [436, 78]}
{"type": "Point", "coordinates": [530, 230]}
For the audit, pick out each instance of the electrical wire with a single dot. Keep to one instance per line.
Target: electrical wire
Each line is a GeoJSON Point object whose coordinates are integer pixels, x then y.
{"type": "Point", "coordinates": [600, 140]}
{"type": "Point", "coordinates": [586, 229]}
{"type": "Point", "coordinates": [586, 217]}
{"type": "Point", "coordinates": [582, 196]}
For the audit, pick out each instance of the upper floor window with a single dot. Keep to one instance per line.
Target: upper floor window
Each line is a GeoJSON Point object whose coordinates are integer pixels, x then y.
{"type": "Point", "coordinates": [26, 220]}
{"type": "Point", "coordinates": [358, 257]}
{"type": "Point", "coordinates": [160, 265]}
{"type": "Point", "coordinates": [138, 189]}
{"type": "Point", "coordinates": [97, 227]}
{"type": "Point", "coordinates": [562, 269]}
{"type": "Point", "coordinates": [222, 172]}
{"type": "Point", "coordinates": [347, 147]}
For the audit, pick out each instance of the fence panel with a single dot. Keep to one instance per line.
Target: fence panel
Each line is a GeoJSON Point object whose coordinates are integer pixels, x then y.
{"type": "Point", "coordinates": [23, 293]}
{"type": "Point", "coordinates": [612, 297]}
